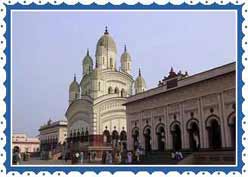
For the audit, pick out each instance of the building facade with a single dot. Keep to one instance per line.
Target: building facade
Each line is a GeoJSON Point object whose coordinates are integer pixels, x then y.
{"type": "Point", "coordinates": [25, 144]}
{"type": "Point", "coordinates": [96, 114]}
{"type": "Point", "coordinates": [185, 112]}
{"type": "Point", "coordinates": [53, 135]}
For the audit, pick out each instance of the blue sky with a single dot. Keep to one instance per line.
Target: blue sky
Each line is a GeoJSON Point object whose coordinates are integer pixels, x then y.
{"type": "Point", "coordinates": [48, 48]}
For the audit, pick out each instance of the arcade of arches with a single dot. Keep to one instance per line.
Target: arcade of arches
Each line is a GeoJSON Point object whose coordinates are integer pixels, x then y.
{"type": "Point", "coordinates": [161, 139]}
{"type": "Point", "coordinates": [199, 115]}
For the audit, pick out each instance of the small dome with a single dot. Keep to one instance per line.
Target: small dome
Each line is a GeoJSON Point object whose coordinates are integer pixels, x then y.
{"type": "Point", "coordinates": [107, 42]}
{"type": "Point", "coordinates": [96, 74]}
{"type": "Point", "coordinates": [125, 56]}
{"type": "Point", "coordinates": [87, 59]}
{"type": "Point", "coordinates": [74, 87]}
{"type": "Point", "coordinates": [140, 81]}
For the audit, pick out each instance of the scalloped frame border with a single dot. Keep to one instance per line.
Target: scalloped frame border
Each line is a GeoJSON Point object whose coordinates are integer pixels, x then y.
{"type": "Point", "coordinates": [240, 6]}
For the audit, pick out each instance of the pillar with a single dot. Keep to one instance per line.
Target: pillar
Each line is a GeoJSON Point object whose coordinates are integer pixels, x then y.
{"type": "Point", "coordinates": [202, 126]}
{"type": "Point", "coordinates": [222, 121]}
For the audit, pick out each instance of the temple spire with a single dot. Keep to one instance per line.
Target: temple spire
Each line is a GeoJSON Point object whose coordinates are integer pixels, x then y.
{"type": "Point", "coordinates": [75, 79]}
{"type": "Point", "coordinates": [106, 30]}
{"type": "Point", "coordinates": [125, 48]}
{"type": "Point", "coordinates": [139, 72]}
{"type": "Point", "coordinates": [88, 53]}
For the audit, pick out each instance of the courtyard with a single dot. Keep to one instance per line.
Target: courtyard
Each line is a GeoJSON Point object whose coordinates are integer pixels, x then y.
{"type": "Point", "coordinates": [196, 158]}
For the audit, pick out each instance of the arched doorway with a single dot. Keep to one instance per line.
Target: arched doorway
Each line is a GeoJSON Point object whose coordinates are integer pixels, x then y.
{"type": "Point", "coordinates": [106, 137]}
{"type": "Point", "coordinates": [232, 127]}
{"type": "Point", "coordinates": [147, 136]}
{"type": "Point", "coordinates": [176, 136]}
{"type": "Point", "coordinates": [123, 135]}
{"type": "Point", "coordinates": [194, 134]}
{"type": "Point", "coordinates": [115, 137]}
{"type": "Point", "coordinates": [214, 133]}
{"type": "Point", "coordinates": [160, 131]}
{"type": "Point", "coordinates": [123, 139]}
{"type": "Point", "coordinates": [135, 135]}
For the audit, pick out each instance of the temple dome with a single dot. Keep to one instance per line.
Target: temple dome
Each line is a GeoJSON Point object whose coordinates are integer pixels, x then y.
{"type": "Point", "coordinates": [140, 81]}
{"type": "Point", "coordinates": [74, 86]}
{"type": "Point", "coordinates": [107, 42]}
{"type": "Point", "coordinates": [87, 59]}
{"type": "Point", "coordinates": [125, 56]}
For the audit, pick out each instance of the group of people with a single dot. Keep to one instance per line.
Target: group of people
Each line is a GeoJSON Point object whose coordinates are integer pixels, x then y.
{"type": "Point", "coordinates": [107, 157]}
{"type": "Point", "coordinates": [177, 155]}
{"type": "Point", "coordinates": [81, 157]}
{"type": "Point", "coordinates": [17, 156]}
{"type": "Point", "coordinates": [124, 157]}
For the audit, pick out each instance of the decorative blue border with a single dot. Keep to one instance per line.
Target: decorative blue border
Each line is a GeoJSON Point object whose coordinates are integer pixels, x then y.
{"type": "Point", "coordinates": [138, 6]}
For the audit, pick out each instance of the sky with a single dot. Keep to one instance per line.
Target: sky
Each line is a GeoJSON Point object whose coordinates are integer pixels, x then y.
{"type": "Point", "coordinates": [48, 49]}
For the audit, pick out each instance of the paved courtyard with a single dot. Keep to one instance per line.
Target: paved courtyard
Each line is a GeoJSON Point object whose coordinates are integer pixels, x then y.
{"type": "Point", "coordinates": [37, 161]}
{"type": "Point", "coordinates": [197, 158]}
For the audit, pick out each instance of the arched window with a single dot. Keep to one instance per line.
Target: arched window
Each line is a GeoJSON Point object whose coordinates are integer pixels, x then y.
{"type": "Point", "coordinates": [111, 63]}
{"type": "Point", "coordinates": [122, 92]}
{"type": "Point", "coordinates": [110, 90]}
{"type": "Point", "coordinates": [99, 86]}
{"type": "Point", "coordinates": [117, 90]}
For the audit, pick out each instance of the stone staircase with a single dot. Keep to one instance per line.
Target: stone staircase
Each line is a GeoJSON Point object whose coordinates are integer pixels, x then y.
{"type": "Point", "coordinates": [161, 158]}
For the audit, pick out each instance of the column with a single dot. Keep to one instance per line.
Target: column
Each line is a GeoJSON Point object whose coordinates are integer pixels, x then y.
{"type": "Point", "coordinates": [222, 121]}
{"type": "Point", "coordinates": [183, 134]}
{"type": "Point", "coordinates": [202, 126]}
{"type": "Point", "coordinates": [167, 129]}
{"type": "Point", "coordinates": [129, 133]}
{"type": "Point", "coordinates": [226, 127]}
{"type": "Point", "coordinates": [141, 136]}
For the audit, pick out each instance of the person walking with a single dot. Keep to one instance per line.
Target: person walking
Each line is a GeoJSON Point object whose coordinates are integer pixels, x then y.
{"type": "Point", "coordinates": [16, 157]}
{"type": "Point", "coordinates": [94, 156]}
{"type": "Point", "coordinates": [109, 158]}
{"type": "Point", "coordinates": [129, 157]}
{"type": "Point", "coordinates": [137, 155]}
{"type": "Point", "coordinates": [77, 155]}
{"type": "Point", "coordinates": [89, 156]}
{"type": "Point", "coordinates": [81, 157]}
{"type": "Point", "coordinates": [104, 157]}
{"type": "Point", "coordinates": [119, 158]}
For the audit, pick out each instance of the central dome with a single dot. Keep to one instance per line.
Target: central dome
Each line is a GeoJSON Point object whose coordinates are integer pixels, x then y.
{"type": "Point", "coordinates": [107, 42]}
